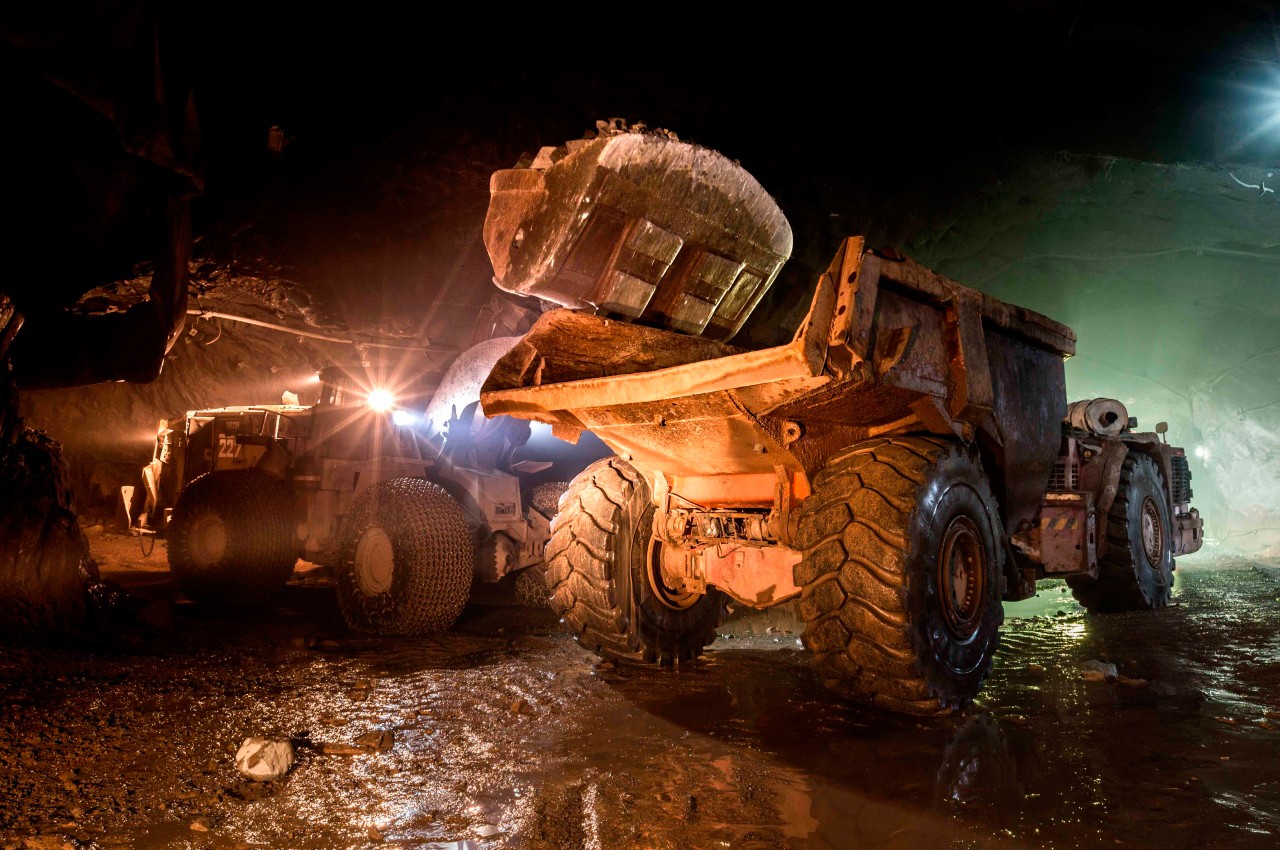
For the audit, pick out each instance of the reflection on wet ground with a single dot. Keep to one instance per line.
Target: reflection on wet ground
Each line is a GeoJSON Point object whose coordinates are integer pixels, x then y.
{"type": "Point", "coordinates": [508, 735]}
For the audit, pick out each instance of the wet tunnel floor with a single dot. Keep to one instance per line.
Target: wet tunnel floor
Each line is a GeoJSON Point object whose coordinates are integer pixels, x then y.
{"type": "Point", "coordinates": [506, 734]}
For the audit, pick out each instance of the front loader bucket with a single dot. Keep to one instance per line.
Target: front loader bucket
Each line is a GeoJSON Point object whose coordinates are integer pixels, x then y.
{"type": "Point", "coordinates": [639, 227]}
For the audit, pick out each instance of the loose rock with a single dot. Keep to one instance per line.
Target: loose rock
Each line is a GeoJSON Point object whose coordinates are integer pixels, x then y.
{"type": "Point", "coordinates": [1098, 671]}
{"type": "Point", "coordinates": [263, 759]}
{"type": "Point", "coordinates": [378, 739]}
{"type": "Point", "coordinates": [47, 842]}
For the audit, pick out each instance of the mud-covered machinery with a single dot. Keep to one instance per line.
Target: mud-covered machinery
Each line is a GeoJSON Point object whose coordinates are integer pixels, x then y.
{"type": "Point", "coordinates": [905, 463]}
{"type": "Point", "coordinates": [404, 506]}
{"type": "Point", "coordinates": [1116, 511]}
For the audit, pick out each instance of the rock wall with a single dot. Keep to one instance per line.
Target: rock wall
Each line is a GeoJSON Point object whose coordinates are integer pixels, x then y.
{"type": "Point", "coordinates": [1168, 274]}
{"type": "Point", "coordinates": [44, 556]}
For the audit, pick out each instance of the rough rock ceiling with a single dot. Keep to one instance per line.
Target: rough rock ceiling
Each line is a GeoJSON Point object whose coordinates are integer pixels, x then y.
{"type": "Point", "coordinates": [386, 137]}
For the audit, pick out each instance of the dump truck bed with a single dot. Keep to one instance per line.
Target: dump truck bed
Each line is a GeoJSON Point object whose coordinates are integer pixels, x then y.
{"type": "Point", "coordinates": [887, 347]}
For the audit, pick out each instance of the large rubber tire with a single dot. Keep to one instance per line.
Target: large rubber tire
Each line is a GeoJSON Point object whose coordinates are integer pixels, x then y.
{"type": "Point", "coordinates": [231, 537]}
{"type": "Point", "coordinates": [404, 559]}
{"type": "Point", "coordinates": [1137, 572]}
{"type": "Point", "coordinates": [530, 583]}
{"type": "Point", "coordinates": [530, 586]}
{"type": "Point", "coordinates": [545, 498]}
{"type": "Point", "coordinates": [887, 626]}
{"type": "Point", "coordinates": [598, 573]}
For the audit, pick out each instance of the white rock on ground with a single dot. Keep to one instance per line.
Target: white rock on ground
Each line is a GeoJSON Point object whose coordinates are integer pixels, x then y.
{"type": "Point", "coordinates": [264, 759]}
{"type": "Point", "coordinates": [1098, 671]}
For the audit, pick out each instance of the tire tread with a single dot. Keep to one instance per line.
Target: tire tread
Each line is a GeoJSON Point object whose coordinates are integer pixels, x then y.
{"type": "Point", "coordinates": [864, 647]}
{"type": "Point", "coordinates": [582, 565]}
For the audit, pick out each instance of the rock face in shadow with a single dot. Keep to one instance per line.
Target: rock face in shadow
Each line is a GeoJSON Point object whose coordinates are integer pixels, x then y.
{"type": "Point", "coordinates": [44, 556]}
{"type": "Point", "coordinates": [105, 152]}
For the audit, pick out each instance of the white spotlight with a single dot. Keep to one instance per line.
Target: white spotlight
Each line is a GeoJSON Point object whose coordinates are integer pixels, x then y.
{"type": "Point", "coordinates": [381, 400]}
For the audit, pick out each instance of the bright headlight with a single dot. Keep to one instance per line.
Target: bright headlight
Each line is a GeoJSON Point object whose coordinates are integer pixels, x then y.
{"type": "Point", "coordinates": [381, 400]}
{"type": "Point", "coordinates": [403, 418]}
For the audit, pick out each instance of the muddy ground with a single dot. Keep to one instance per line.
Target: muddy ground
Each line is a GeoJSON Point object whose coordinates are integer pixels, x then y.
{"type": "Point", "coordinates": [505, 734]}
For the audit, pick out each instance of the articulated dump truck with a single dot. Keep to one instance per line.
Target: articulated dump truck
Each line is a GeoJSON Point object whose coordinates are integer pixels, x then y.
{"type": "Point", "coordinates": [901, 466]}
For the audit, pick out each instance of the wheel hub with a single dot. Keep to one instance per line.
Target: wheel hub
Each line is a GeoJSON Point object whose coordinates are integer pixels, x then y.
{"type": "Point", "coordinates": [1152, 532]}
{"type": "Point", "coordinates": [497, 558]}
{"type": "Point", "coordinates": [666, 582]}
{"type": "Point", "coordinates": [375, 564]}
{"type": "Point", "coordinates": [207, 540]}
{"type": "Point", "coordinates": [962, 567]}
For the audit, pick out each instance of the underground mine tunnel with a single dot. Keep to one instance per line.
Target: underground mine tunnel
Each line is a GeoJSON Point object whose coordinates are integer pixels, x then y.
{"type": "Point", "coordinates": [820, 432]}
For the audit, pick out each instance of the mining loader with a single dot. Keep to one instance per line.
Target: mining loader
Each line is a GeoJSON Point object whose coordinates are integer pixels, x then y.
{"type": "Point", "coordinates": [901, 466]}
{"type": "Point", "coordinates": [404, 505]}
